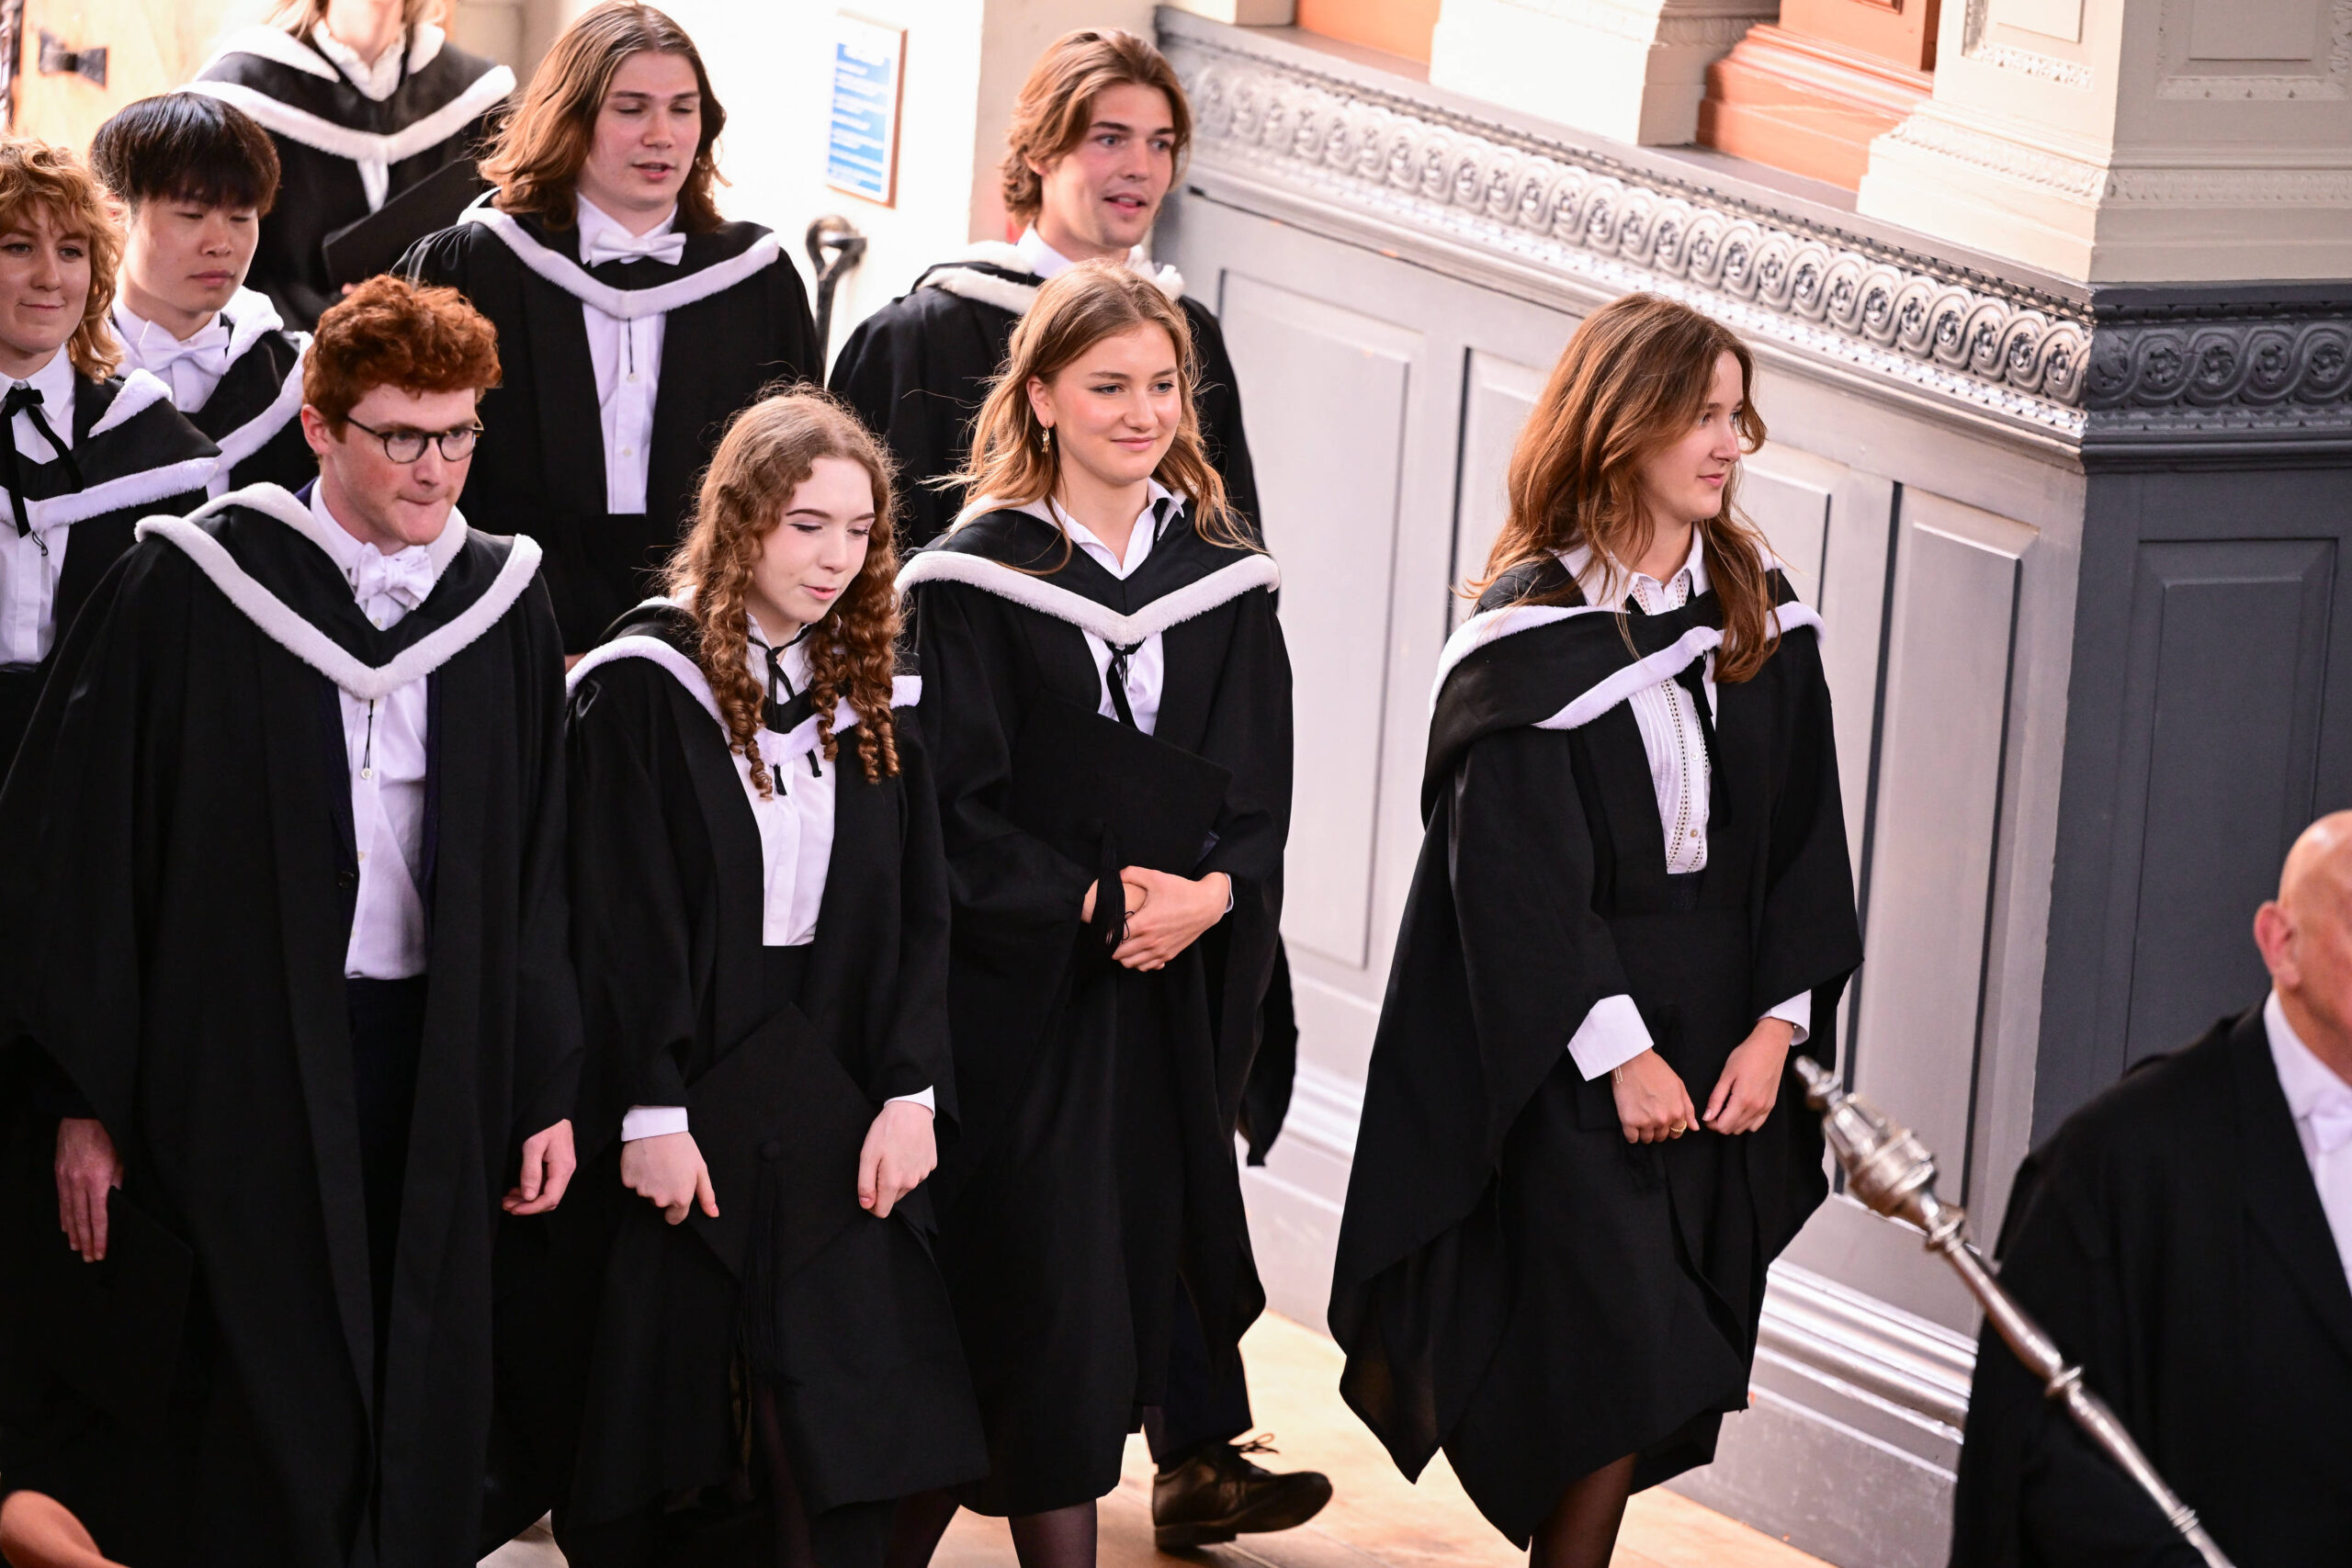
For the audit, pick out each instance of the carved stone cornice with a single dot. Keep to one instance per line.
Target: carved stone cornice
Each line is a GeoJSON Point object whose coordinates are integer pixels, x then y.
{"type": "Point", "coordinates": [1393, 156]}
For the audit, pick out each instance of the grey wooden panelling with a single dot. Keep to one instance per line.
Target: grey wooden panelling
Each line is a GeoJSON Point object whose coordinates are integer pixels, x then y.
{"type": "Point", "coordinates": [1497, 394]}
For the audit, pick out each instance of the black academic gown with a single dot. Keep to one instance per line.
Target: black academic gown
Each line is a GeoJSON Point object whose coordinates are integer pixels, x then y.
{"type": "Point", "coordinates": [132, 455]}
{"type": "Point", "coordinates": [254, 415]}
{"type": "Point", "coordinates": [918, 370]}
{"type": "Point", "coordinates": [177, 890]}
{"type": "Point", "coordinates": [1096, 1163]}
{"type": "Point", "coordinates": [873, 1396]}
{"type": "Point", "coordinates": [2170, 1239]}
{"type": "Point", "coordinates": [738, 321]}
{"type": "Point", "coordinates": [1515, 1283]}
{"type": "Point", "coordinates": [325, 128]}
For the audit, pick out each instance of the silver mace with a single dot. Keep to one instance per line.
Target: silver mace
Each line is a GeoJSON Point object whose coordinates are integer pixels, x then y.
{"type": "Point", "coordinates": [1890, 1172]}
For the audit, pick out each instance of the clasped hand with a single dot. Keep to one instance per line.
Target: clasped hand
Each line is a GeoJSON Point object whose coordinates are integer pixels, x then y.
{"type": "Point", "coordinates": [1166, 913]}
{"type": "Point", "coordinates": [1653, 1105]}
{"type": "Point", "coordinates": [902, 1148]}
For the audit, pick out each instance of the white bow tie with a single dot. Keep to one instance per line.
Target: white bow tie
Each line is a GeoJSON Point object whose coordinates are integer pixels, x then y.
{"type": "Point", "coordinates": [207, 347]}
{"type": "Point", "coordinates": [2331, 1120]}
{"type": "Point", "coordinates": [611, 245]}
{"type": "Point", "coordinates": [406, 575]}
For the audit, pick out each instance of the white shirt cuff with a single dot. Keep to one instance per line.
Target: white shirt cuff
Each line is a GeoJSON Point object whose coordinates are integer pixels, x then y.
{"type": "Point", "coordinates": [923, 1098]}
{"type": "Point", "coordinates": [1612, 1035]}
{"type": "Point", "coordinates": [1797, 1013]}
{"type": "Point", "coordinates": [652, 1121]}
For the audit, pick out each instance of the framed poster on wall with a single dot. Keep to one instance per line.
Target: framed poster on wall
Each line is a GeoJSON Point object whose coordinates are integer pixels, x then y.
{"type": "Point", "coordinates": [862, 144]}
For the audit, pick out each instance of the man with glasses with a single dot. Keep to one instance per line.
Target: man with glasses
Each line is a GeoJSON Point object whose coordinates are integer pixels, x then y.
{"type": "Point", "coordinates": [282, 897]}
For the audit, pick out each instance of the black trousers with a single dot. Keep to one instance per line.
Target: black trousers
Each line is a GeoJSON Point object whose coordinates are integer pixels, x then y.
{"type": "Point", "coordinates": [387, 1037]}
{"type": "Point", "coordinates": [1197, 1407]}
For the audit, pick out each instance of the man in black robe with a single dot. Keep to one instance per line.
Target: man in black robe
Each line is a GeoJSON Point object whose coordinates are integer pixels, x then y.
{"type": "Point", "coordinates": [283, 948]}
{"type": "Point", "coordinates": [355, 132]}
{"type": "Point", "coordinates": [1087, 180]}
{"type": "Point", "coordinates": [2187, 1239]}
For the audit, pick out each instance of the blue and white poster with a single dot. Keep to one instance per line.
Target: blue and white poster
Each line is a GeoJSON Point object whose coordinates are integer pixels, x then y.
{"type": "Point", "coordinates": [861, 151]}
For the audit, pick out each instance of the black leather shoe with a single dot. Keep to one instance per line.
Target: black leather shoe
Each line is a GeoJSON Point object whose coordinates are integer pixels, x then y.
{"type": "Point", "coordinates": [1218, 1493]}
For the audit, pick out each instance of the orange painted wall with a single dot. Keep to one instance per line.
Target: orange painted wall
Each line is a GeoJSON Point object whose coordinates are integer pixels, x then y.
{"type": "Point", "coordinates": [1400, 26]}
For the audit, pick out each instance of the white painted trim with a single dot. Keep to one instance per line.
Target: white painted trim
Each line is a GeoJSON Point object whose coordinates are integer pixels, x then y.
{"type": "Point", "coordinates": [276, 45]}
{"type": "Point", "coordinates": [366, 147]}
{"type": "Point", "coordinates": [141, 489]}
{"type": "Point", "coordinates": [282, 625]}
{"type": "Point", "coordinates": [906, 691]}
{"type": "Point", "coordinates": [141, 391]}
{"type": "Point", "coordinates": [250, 437]}
{"type": "Point", "coordinates": [1051, 599]}
{"type": "Point", "coordinates": [624, 304]}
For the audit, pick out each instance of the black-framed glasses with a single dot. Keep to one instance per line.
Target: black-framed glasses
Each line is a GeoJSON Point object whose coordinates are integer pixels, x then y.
{"type": "Point", "coordinates": [408, 446]}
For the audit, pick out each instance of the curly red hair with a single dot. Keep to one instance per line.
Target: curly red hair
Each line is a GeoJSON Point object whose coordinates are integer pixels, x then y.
{"type": "Point", "coordinates": [391, 333]}
{"type": "Point", "coordinates": [767, 452]}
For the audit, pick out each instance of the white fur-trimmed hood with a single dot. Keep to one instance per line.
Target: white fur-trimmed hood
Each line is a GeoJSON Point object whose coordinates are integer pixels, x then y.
{"type": "Point", "coordinates": [624, 304]}
{"type": "Point", "coordinates": [1195, 598]}
{"type": "Point", "coordinates": [282, 625]}
{"type": "Point", "coordinates": [953, 277]}
{"type": "Point", "coordinates": [366, 148]}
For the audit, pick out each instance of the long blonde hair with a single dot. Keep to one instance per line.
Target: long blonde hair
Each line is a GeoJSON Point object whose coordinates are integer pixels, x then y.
{"type": "Point", "coordinates": [1631, 382]}
{"type": "Point", "coordinates": [1014, 461]}
{"type": "Point", "coordinates": [767, 454]}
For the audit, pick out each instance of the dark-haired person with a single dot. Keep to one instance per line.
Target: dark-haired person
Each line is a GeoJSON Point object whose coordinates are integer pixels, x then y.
{"type": "Point", "coordinates": [1580, 1146]}
{"type": "Point", "coordinates": [1106, 701]}
{"type": "Point", "coordinates": [365, 100]}
{"type": "Point", "coordinates": [634, 321]}
{"type": "Point", "coordinates": [282, 897]}
{"type": "Point", "coordinates": [195, 178]}
{"type": "Point", "coordinates": [760, 929]}
{"type": "Point", "coordinates": [1097, 135]}
{"type": "Point", "coordinates": [83, 453]}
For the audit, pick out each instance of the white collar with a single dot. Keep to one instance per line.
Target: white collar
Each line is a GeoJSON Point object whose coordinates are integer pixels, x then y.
{"type": "Point", "coordinates": [2303, 1076]}
{"type": "Point", "coordinates": [146, 338]}
{"type": "Point", "coordinates": [622, 304]}
{"type": "Point", "coordinates": [594, 219]}
{"type": "Point", "coordinates": [1045, 262]}
{"type": "Point", "coordinates": [1140, 538]}
{"type": "Point", "coordinates": [377, 82]}
{"type": "Point", "coordinates": [346, 550]}
{"type": "Point", "coordinates": [1608, 584]}
{"type": "Point", "coordinates": [54, 382]}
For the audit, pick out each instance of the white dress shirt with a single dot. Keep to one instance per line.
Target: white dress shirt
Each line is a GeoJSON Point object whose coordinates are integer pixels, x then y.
{"type": "Point", "coordinates": [1148, 666]}
{"type": "Point", "coordinates": [2321, 1104]}
{"type": "Point", "coordinates": [384, 742]}
{"type": "Point", "coordinates": [191, 367]}
{"type": "Point", "coordinates": [1048, 262]}
{"type": "Point", "coordinates": [796, 824]}
{"type": "Point", "coordinates": [625, 355]}
{"type": "Point", "coordinates": [376, 83]}
{"type": "Point", "coordinates": [31, 563]}
{"type": "Point", "coordinates": [1612, 1033]}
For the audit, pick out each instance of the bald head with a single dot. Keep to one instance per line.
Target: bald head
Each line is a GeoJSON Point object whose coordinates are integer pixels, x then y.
{"type": "Point", "coordinates": [2305, 935]}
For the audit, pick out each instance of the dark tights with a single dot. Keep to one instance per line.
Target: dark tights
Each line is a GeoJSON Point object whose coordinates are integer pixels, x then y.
{"type": "Point", "coordinates": [1581, 1529]}
{"type": "Point", "coordinates": [793, 1547]}
{"type": "Point", "coordinates": [1061, 1537]}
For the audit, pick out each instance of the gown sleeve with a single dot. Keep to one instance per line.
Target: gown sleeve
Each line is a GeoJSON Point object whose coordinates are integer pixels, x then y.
{"type": "Point", "coordinates": [1010, 888]}
{"type": "Point", "coordinates": [1809, 941]}
{"type": "Point", "coordinates": [546, 1025]}
{"type": "Point", "coordinates": [879, 373]}
{"type": "Point", "coordinates": [915, 1053]}
{"type": "Point", "coordinates": [1220, 400]}
{"type": "Point", "coordinates": [630, 938]}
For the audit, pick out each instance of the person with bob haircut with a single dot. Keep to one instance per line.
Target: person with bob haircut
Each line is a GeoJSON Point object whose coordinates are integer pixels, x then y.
{"type": "Point", "coordinates": [282, 901]}
{"type": "Point", "coordinates": [762, 937]}
{"type": "Point", "coordinates": [1581, 1147]}
{"type": "Point", "coordinates": [636, 321]}
{"type": "Point", "coordinates": [195, 178]}
{"type": "Point", "coordinates": [370, 106]}
{"type": "Point", "coordinates": [88, 453]}
{"type": "Point", "coordinates": [1107, 706]}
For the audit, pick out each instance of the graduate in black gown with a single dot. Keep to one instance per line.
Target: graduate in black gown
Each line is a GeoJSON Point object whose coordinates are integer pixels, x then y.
{"type": "Point", "coordinates": [634, 321]}
{"type": "Point", "coordinates": [83, 453]}
{"type": "Point", "coordinates": [1580, 1147]}
{"type": "Point", "coordinates": [1104, 681]}
{"type": "Point", "coordinates": [2185, 1238]}
{"type": "Point", "coordinates": [195, 178]}
{"type": "Point", "coordinates": [367, 100]}
{"type": "Point", "coordinates": [760, 929]}
{"type": "Point", "coordinates": [282, 903]}
{"type": "Point", "coordinates": [1096, 136]}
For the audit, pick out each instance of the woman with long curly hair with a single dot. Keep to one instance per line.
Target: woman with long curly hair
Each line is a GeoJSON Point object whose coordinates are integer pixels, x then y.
{"type": "Point", "coordinates": [1109, 715]}
{"type": "Point", "coordinates": [761, 932]}
{"type": "Point", "coordinates": [1581, 1145]}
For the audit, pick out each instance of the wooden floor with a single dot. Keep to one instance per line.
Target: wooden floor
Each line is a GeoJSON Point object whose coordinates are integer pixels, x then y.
{"type": "Point", "coordinates": [1376, 1519]}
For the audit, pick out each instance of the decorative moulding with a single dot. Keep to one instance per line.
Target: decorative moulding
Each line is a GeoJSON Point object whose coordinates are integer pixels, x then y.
{"type": "Point", "coordinates": [1314, 137]}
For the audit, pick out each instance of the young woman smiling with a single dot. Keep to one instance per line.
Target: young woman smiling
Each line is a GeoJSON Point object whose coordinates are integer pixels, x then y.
{"type": "Point", "coordinates": [761, 937]}
{"type": "Point", "coordinates": [1103, 670]}
{"type": "Point", "coordinates": [635, 320]}
{"type": "Point", "coordinates": [1579, 1150]}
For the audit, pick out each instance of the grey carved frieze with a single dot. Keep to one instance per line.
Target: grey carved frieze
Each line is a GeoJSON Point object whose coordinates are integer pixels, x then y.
{"type": "Point", "coordinates": [2065, 367]}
